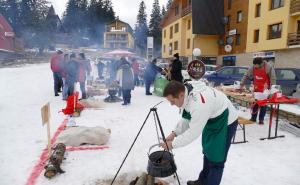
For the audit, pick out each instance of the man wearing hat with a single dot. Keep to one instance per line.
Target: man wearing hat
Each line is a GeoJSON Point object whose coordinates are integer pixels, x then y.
{"type": "Point", "coordinates": [176, 69]}
{"type": "Point", "coordinates": [263, 76]}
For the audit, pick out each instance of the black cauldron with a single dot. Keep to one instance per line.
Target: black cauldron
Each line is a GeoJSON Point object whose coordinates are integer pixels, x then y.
{"type": "Point", "coordinates": [161, 163]}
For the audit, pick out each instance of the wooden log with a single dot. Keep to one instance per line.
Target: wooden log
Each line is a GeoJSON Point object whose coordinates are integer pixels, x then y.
{"type": "Point", "coordinates": [150, 180]}
{"type": "Point", "coordinates": [56, 158]}
{"type": "Point", "coordinates": [142, 179]}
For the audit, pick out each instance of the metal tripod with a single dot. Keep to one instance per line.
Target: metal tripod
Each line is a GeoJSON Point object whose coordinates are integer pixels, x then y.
{"type": "Point", "coordinates": [154, 111]}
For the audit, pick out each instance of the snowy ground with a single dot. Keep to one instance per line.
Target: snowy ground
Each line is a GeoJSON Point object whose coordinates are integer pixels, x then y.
{"type": "Point", "coordinates": [26, 89]}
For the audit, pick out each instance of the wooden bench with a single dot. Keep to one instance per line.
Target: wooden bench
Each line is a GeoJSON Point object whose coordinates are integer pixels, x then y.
{"type": "Point", "coordinates": [241, 123]}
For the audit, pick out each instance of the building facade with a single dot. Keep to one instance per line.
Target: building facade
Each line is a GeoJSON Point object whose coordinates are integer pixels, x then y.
{"type": "Point", "coordinates": [252, 28]}
{"type": "Point", "coordinates": [118, 35]}
{"type": "Point", "coordinates": [179, 34]}
{"type": "Point", "coordinates": [7, 36]}
{"type": "Point", "coordinates": [232, 44]}
{"type": "Point", "coordinates": [274, 31]}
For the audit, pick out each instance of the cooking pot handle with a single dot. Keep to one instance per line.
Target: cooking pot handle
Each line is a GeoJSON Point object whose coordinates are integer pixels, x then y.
{"type": "Point", "coordinates": [151, 147]}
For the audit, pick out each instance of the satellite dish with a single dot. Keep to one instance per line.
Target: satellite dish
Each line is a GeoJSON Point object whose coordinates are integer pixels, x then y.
{"type": "Point", "coordinates": [228, 48]}
{"type": "Point", "coordinates": [221, 42]}
{"type": "Point", "coordinates": [225, 20]}
{"type": "Point", "coordinates": [229, 40]}
{"type": "Point", "coordinates": [197, 52]}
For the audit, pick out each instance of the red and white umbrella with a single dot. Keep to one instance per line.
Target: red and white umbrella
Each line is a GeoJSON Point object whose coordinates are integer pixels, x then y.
{"type": "Point", "coordinates": [119, 53]}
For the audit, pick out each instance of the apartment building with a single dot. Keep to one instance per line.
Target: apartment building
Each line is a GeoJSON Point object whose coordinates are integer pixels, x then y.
{"type": "Point", "coordinates": [274, 31]}
{"type": "Point", "coordinates": [181, 32]}
{"type": "Point", "coordinates": [118, 35]}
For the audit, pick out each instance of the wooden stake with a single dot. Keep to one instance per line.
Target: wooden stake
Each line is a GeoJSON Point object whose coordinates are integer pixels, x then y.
{"type": "Point", "coordinates": [49, 139]}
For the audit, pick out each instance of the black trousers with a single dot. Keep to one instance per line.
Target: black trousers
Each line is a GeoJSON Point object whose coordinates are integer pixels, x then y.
{"type": "Point", "coordinates": [126, 95]}
{"type": "Point", "coordinates": [58, 83]}
{"type": "Point", "coordinates": [212, 172]}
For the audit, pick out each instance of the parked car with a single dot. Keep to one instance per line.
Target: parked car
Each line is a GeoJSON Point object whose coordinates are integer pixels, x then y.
{"type": "Point", "coordinates": [287, 78]}
{"type": "Point", "coordinates": [210, 69]}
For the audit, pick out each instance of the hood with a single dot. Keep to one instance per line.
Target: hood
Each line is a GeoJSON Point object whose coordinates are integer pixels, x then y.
{"type": "Point", "coordinates": [198, 87]}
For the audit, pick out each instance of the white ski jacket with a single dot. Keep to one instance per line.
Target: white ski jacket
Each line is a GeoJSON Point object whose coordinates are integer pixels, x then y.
{"type": "Point", "coordinates": [203, 103]}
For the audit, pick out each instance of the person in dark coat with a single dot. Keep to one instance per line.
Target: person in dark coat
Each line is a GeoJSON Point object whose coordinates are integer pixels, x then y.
{"type": "Point", "coordinates": [176, 69]}
{"type": "Point", "coordinates": [100, 66]}
{"type": "Point", "coordinates": [64, 76]}
{"type": "Point", "coordinates": [56, 67]}
{"type": "Point", "coordinates": [72, 73]}
{"type": "Point", "coordinates": [149, 75]}
{"type": "Point", "coordinates": [84, 68]}
{"type": "Point", "coordinates": [126, 80]}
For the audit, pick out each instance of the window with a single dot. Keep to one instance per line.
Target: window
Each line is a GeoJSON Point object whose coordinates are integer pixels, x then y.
{"type": "Point", "coordinates": [164, 48]}
{"type": "Point", "coordinates": [165, 33]}
{"type": "Point", "coordinates": [227, 71]}
{"type": "Point", "coordinates": [276, 4]}
{"type": "Point", "coordinates": [257, 10]}
{"type": "Point", "coordinates": [170, 48]}
{"type": "Point", "coordinates": [242, 71]}
{"type": "Point", "coordinates": [256, 36]}
{"type": "Point", "coordinates": [237, 39]}
{"type": "Point", "coordinates": [176, 10]}
{"type": "Point", "coordinates": [189, 24]}
{"type": "Point", "coordinates": [176, 45]}
{"type": "Point", "coordinates": [229, 4]}
{"type": "Point", "coordinates": [176, 28]}
{"type": "Point", "coordinates": [239, 16]}
{"type": "Point", "coordinates": [171, 32]}
{"type": "Point", "coordinates": [275, 31]}
{"type": "Point", "coordinates": [285, 74]}
{"type": "Point", "coordinates": [113, 28]}
{"type": "Point", "coordinates": [188, 43]}
{"type": "Point", "coordinates": [228, 27]}
{"type": "Point", "coordinates": [123, 28]}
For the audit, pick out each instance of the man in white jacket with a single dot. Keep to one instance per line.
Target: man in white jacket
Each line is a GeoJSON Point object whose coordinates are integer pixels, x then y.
{"type": "Point", "coordinates": [206, 111]}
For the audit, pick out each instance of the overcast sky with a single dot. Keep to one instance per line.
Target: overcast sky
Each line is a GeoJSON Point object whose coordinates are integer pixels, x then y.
{"type": "Point", "coordinates": [127, 10]}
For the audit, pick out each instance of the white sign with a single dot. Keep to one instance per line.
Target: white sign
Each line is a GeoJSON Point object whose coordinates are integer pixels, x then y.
{"type": "Point", "coordinates": [227, 48]}
{"type": "Point", "coordinates": [232, 32]}
{"type": "Point", "coordinates": [9, 34]}
{"type": "Point", "coordinates": [267, 54]}
{"type": "Point", "coordinates": [149, 42]}
{"type": "Point", "coordinates": [45, 110]}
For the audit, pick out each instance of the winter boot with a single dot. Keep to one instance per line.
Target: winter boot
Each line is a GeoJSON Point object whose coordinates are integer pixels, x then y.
{"type": "Point", "coordinates": [196, 182]}
{"type": "Point", "coordinates": [261, 122]}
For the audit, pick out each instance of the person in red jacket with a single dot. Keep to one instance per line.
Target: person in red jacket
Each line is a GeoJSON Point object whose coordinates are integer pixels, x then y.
{"type": "Point", "coordinates": [263, 76]}
{"type": "Point", "coordinates": [84, 69]}
{"type": "Point", "coordinates": [136, 71]}
{"type": "Point", "coordinates": [56, 67]}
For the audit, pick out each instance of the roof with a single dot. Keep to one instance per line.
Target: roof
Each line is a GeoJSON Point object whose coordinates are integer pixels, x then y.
{"type": "Point", "coordinates": [117, 20]}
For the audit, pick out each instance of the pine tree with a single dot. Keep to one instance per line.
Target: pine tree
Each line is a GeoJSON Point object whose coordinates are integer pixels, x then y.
{"type": "Point", "coordinates": [155, 27]}
{"type": "Point", "coordinates": [109, 12]}
{"type": "Point", "coordinates": [71, 16]}
{"type": "Point", "coordinates": [163, 11]}
{"type": "Point", "coordinates": [169, 4]}
{"type": "Point", "coordinates": [50, 26]}
{"type": "Point", "coordinates": [141, 29]}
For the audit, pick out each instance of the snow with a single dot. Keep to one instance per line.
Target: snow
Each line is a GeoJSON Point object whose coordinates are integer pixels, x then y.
{"type": "Point", "coordinates": [26, 89]}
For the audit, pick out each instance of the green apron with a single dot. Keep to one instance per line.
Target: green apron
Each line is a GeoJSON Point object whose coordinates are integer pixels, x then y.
{"type": "Point", "coordinates": [214, 136]}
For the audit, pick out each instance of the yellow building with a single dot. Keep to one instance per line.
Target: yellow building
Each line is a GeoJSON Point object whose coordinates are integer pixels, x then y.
{"type": "Point", "coordinates": [274, 30]}
{"type": "Point", "coordinates": [178, 37]}
{"type": "Point", "coordinates": [118, 35]}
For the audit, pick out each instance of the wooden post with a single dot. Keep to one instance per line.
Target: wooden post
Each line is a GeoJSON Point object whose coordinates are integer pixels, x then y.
{"type": "Point", "coordinates": [46, 120]}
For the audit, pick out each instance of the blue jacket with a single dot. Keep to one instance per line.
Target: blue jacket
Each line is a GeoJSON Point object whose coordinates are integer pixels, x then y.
{"type": "Point", "coordinates": [151, 71]}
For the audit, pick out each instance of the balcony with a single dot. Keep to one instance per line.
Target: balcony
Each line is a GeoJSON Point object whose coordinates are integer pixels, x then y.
{"type": "Point", "coordinates": [295, 7]}
{"type": "Point", "coordinates": [185, 11]}
{"type": "Point", "coordinates": [294, 40]}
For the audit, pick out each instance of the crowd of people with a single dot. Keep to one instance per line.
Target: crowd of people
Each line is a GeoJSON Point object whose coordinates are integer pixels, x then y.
{"type": "Point", "coordinates": [68, 69]}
